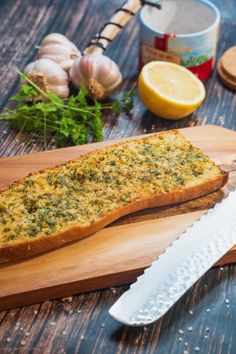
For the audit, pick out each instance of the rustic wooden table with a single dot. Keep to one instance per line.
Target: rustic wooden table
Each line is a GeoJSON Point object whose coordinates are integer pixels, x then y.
{"type": "Point", "coordinates": [204, 319]}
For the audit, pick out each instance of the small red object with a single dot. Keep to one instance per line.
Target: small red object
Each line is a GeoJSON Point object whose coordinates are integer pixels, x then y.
{"type": "Point", "coordinates": [162, 42]}
{"type": "Point", "coordinates": [204, 70]}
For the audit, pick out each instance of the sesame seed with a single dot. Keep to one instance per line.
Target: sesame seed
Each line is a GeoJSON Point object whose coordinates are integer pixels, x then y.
{"type": "Point", "coordinates": [8, 339]}
{"type": "Point", "coordinates": [186, 344]}
{"type": "Point", "coordinates": [190, 329]}
{"type": "Point", "coordinates": [23, 342]}
{"type": "Point", "coordinates": [196, 349]}
{"type": "Point", "coordinates": [180, 339]}
{"type": "Point", "coordinates": [190, 312]}
{"type": "Point", "coordinates": [208, 310]}
{"type": "Point", "coordinates": [82, 337]}
{"type": "Point", "coordinates": [227, 301]}
{"type": "Point", "coordinates": [64, 333]}
{"type": "Point", "coordinates": [207, 329]}
{"type": "Point", "coordinates": [102, 325]}
{"type": "Point", "coordinates": [206, 336]}
{"type": "Point", "coordinates": [181, 331]}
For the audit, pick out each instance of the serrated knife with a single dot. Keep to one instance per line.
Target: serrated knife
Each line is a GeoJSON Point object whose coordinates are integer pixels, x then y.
{"type": "Point", "coordinates": [179, 267]}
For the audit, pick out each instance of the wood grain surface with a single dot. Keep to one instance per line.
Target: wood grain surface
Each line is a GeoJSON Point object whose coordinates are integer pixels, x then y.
{"type": "Point", "coordinates": [204, 319]}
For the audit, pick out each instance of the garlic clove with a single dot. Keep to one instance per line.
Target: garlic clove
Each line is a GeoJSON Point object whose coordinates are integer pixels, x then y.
{"type": "Point", "coordinates": [98, 73]}
{"type": "Point", "coordinates": [58, 48]}
{"type": "Point", "coordinates": [54, 52]}
{"type": "Point", "coordinates": [67, 64]}
{"type": "Point", "coordinates": [81, 71]}
{"type": "Point", "coordinates": [59, 90]}
{"type": "Point", "coordinates": [57, 38]}
{"type": "Point", "coordinates": [58, 52]}
{"type": "Point", "coordinates": [49, 76]}
{"type": "Point", "coordinates": [112, 80]}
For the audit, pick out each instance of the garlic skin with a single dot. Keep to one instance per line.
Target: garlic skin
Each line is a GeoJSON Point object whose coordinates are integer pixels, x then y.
{"type": "Point", "coordinates": [58, 48]}
{"type": "Point", "coordinates": [49, 76]}
{"type": "Point", "coordinates": [98, 73]}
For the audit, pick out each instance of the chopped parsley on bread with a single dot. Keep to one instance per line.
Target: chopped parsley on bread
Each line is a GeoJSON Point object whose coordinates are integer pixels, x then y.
{"type": "Point", "coordinates": [66, 203]}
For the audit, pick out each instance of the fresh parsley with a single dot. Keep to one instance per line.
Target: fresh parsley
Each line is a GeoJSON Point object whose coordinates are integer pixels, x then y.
{"type": "Point", "coordinates": [72, 121]}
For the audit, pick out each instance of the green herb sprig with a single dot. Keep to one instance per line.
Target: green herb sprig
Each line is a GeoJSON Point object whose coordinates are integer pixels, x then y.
{"type": "Point", "coordinates": [72, 121]}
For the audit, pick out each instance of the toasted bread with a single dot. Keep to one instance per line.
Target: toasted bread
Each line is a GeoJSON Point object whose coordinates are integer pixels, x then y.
{"type": "Point", "coordinates": [66, 203]}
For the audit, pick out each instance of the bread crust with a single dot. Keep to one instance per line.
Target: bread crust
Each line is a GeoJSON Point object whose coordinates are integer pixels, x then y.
{"type": "Point", "coordinates": [24, 249]}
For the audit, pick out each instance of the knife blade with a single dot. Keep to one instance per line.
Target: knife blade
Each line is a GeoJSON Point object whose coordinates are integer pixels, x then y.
{"type": "Point", "coordinates": [179, 267]}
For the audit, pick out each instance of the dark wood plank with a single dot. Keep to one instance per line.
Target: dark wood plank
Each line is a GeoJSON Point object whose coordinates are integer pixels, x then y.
{"type": "Point", "coordinates": [60, 326]}
{"type": "Point", "coordinates": [82, 324]}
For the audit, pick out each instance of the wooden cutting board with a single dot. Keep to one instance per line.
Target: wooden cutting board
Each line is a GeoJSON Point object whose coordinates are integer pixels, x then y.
{"type": "Point", "coordinates": [120, 252]}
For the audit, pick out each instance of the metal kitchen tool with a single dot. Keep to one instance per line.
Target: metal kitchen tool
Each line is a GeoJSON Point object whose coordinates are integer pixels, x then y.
{"type": "Point", "coordinates": [179, 267]}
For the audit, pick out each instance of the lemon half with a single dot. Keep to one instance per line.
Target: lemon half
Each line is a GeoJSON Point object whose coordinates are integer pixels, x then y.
{"type": "Point", "coordinates": [170, 90]}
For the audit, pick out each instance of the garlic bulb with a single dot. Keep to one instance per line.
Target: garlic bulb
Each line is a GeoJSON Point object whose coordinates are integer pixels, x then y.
{"type": "Point", "coordinates": [58, 48]}
{"type": "Point", "coordinates": [49, 76]}
{"type": "Point", "coordinates": [98, 73]}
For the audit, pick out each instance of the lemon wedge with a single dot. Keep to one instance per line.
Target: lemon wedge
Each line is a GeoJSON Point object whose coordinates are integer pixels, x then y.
{"type": "Point", "coordinates": [170, 90]}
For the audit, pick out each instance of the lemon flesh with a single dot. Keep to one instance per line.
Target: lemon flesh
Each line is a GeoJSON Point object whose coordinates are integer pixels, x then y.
{"type": "Point", "coordinates": [170, 90]}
